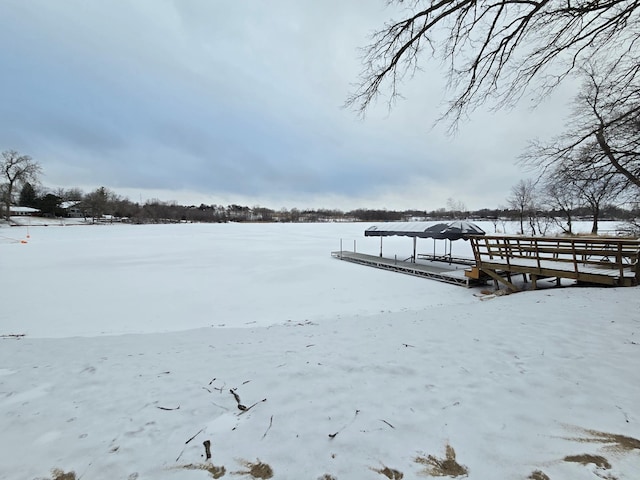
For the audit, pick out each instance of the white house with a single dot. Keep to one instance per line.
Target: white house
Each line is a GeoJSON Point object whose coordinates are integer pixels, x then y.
{"type": "Point", "coordinates": [72, 209]}
{"type": "Point", "coordinates": [15, 211]}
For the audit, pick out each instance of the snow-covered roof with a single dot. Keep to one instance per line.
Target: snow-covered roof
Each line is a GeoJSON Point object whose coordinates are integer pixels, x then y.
{"type": "Point", "coordinates": [450, 230]}
{"type": "Point", "coordinates": [23, 209]}
{"type": "Point", "coordinates": [413, 229]}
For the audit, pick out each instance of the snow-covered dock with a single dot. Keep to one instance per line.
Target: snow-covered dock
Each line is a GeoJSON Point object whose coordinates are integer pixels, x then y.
{"type": "Point", "coordinates": [587, 260]}
{"type": "Point", "coordinates": [435, 270]}
{"type": "Point", "coordinates": [597, 260]}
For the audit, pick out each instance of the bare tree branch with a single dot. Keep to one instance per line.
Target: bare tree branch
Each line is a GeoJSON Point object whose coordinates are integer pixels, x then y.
{"type": "Point", "coordinates": [499, 49]}
{"type": "Point", "coordinates": [604, 131]}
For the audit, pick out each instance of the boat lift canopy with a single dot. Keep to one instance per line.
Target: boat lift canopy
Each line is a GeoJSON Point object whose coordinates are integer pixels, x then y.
{"type": "Point", "coordinates": [439, 231]}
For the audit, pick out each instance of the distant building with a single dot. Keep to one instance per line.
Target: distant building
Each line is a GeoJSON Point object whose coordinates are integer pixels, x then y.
{"type": "Point", "coordinates": [72, 209]}
{"type": "Point", "coordinates": [15, 211]}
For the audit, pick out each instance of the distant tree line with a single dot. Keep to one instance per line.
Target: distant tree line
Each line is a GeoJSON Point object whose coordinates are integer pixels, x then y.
{"type": "Point", "coordinates": [558, 198]}
{"type": "Point", "coordinates": [103, 204]}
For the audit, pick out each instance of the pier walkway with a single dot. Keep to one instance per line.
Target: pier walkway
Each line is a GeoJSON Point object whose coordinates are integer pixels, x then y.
{"type": "Point", "coordinates": [435, 270]}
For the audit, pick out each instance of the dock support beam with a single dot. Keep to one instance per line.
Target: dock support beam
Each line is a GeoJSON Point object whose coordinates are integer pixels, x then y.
{"type": "Point", "coordinates": [502, 280]}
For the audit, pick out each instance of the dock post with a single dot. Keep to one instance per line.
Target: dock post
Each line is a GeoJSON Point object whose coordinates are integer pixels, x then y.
{"type": "Point", "coordinates": [413, 260]}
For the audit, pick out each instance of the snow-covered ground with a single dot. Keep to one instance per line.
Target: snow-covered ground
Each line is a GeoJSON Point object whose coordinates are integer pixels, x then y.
{"type": "Point", "coordinates": [123, 347]}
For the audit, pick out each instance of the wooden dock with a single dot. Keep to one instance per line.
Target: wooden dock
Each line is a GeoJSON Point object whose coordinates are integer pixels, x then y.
{"type": "Point", "coordinates": [589, 260]}
{"type": "Point", "coordinates": [436, 270]}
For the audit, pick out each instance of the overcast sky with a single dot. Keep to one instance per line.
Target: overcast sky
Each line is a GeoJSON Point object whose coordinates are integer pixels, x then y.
{"type": "Point", "coordinates": [200, 101]}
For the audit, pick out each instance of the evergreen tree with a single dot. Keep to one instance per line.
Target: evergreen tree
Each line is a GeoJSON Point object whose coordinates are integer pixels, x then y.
{"type": "Point", "coordinates": [28, 196]}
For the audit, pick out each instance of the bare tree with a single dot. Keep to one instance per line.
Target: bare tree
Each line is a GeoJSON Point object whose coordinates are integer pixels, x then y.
{"type": "Point", "coordinates": [495, 50]}
{"type": "Point", "coordinates": [522, 201]}
{"type": "Point", "coordinates": [597, 186]}
{"type": "Point", "coordinates": [582, 180]}
{"type": "Point", "coordinates": [562, 195]}
{"type": "Point", "coordinates": [456, 208]}
{"type": "Point", "coordinates": [605, 123]}
{"type": "Point", "coordinates": [16, 169]}
{"type": "Point", "coordinates": [70, 194]}
{"type": "Point", "coordinates": [100, 202]}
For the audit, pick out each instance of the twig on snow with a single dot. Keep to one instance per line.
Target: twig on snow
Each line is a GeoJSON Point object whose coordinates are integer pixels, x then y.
{"type": "Point", "coordinates": [207, 449]}
{"type": "Point", "coordinates": [199, 432]}
{"type": "Point", "coordinates": [237, 397]}
{"type": "Point", "coordinates": [268, 428]}
{"type": "Point", "coordinates": [384, 421]}
{"type": "Point", "coordinates": [180, 455]}
{"type": "Point", "coordinates": [334, 435]}
{"type": "Point", "coordinates": [220, 406]}
{"type": "Point", "coordinates": [169, 408]}
{"type": "Point", "coordinates": [246, 409]}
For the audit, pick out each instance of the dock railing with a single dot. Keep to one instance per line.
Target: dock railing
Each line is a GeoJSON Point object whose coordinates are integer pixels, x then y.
{"type": "Point", "coordinates": [611, 261]}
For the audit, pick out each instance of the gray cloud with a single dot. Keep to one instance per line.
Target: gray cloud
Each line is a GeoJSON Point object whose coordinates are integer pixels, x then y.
{"type": "Point", "coordinates": [231, 100]}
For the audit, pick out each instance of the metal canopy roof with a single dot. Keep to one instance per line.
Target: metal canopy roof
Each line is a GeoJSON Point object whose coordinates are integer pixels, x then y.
{"type": "Point", "coordinates": [450, 231]}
